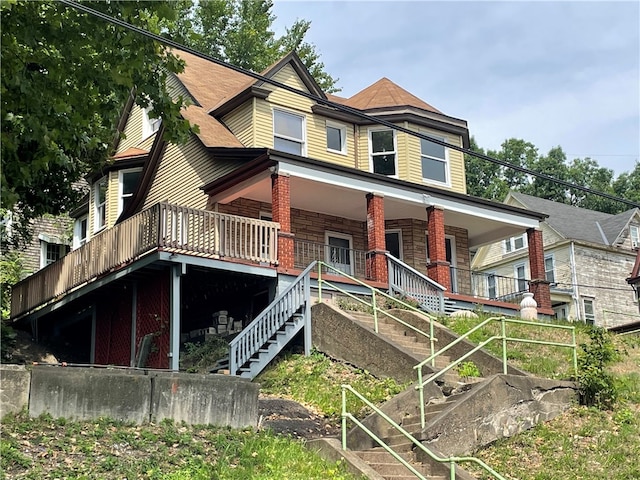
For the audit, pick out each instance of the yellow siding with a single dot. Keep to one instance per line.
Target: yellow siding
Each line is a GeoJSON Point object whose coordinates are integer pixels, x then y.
{"type": "Point", "coordinates": [263, 134]}
{"type": "Point", "coordinates": [112, 198]}
{"type": "Point", "coordinates": [176, 88]}
{"type": "Point", "coordinates": [181, 173]}
{"type": "Point", "coordinates": [132, 130]}
{"type": "Point", "coordinates": [278, 96]}
{"type": "Point", "coordinates": [317, 141]}
{"type": "Point", "coordinates": [240, 122]}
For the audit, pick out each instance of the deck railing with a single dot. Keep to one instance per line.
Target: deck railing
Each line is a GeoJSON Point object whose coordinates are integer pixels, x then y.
{"type": "Point", "coordinates": [165, 226]}
{"type": "Point", "coordinates": [487, 285]}
{"type": "Point", "coordinates": [347, 260]}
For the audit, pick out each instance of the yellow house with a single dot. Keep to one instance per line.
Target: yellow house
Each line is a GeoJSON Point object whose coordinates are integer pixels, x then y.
{"type": "Point", "coordinates": [211, 234]}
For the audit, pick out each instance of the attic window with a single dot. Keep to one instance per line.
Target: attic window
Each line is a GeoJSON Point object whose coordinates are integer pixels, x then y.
{"type": "Point", "coordinates": [288, 132]}
{"type": "Point", "coordinates": [149, 125]}
{"type": "Point", "coordinates": [128, 183]}
{"type": "Point", "coordinates": [634, 233]}
{"type": "Point", "coordinates": [382, 146]}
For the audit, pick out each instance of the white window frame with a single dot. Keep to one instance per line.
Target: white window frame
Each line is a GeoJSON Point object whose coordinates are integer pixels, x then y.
{"type": "Point", "coordinates": [98, 222]}
{"type": "Point", "coordinates": [344, 236]}
{"type": "Point", "coordinates": [149, 125]}
{"type": "Point", "coordinates": [634, 234]}
{"type": "Point", "coordinates": [44, 257]}
{"type": "Point", "coordinates": [302, 141]}
{"type": "Point", "coordinates": [121, 194]}
{"type": "Point", "coordinates": [589, 318]}
{"type": "Point", "coordinates": [394, 152]}
{"type": "Point", "coordinates": [445, 161]}
{"type": "Point", "coordinates": [509, 244]}
{"type": "Point", "coordinates": [78, 238]}
{"type": "Point", "coordinates": [398, 231]}
{"type": "Point", "coordinates": [343, 137]}
{"type": "Point", "coordinates": [552, 271]}
{"type": "Point", "coordinates": [519, 279]}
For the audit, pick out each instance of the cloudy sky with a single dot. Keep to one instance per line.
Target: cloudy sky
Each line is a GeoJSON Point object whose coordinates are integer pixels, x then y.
{"type": "Point", "coordinates": [552, 73]}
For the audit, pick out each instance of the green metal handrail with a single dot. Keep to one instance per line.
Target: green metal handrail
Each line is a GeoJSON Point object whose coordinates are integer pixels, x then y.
{"type": "Point", "coordinates": [373, 305]}
{"type": "Point", "coordinates": [503, 336]}
{"type": "Point", "coordinates": [452, 461]}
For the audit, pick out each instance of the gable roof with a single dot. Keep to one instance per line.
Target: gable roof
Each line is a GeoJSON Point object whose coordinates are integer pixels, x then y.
{"type": "Point", "coordinates": [575, 223]}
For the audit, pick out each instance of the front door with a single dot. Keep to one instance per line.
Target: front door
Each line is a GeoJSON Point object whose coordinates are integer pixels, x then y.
{"type": "Point", "coordinates": [339, 254]}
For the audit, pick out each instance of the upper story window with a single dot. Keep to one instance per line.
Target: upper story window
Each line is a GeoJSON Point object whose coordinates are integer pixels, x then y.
{"type": "Point", "coordinates": [589, 311]}
{"type": "Point", "coordinates": [128, 180]}
{"type": "Point", "coordinates": [100, 203]}
{"type": "Point", "coordinates": [634, 233]}
{"type": "Point", "coordinates": [382, 147]}
{"type": "Point", "coordinates": [435, 163]}
{"type": "Point", "coordinates": [288, 132]}
{"type": "Point", "coordinates": [549, 269]}
{"type": "Point", "coordinates": [150, 125]}
{"type": "Point", "coordinates": [80, 231]}
{"type": "Point", "coordinates": [515, 243]}
{"type": "Point", "coordinates": [50, 251]}
{"type": "Point", "coordinates": [336, 137]}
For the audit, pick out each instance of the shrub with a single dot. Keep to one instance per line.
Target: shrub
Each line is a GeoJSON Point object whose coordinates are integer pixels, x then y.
{"type": "Point", "coordinates": [597, 387]}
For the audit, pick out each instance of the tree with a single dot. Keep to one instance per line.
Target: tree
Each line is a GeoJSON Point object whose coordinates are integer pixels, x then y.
{"type": "Point", "coordinates": [554, 165]}
{"type": "Point", "coordinates": [65, 78]}
{"type": "Point", "coordinates": [484, 178]}
{"type": "Point", "coordinates": [588, 173]}
{"type": "Point", "coordinates": [241, 32]}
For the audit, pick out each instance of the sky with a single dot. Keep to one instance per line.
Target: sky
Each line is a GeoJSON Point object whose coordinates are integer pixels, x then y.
{"type": "Point", "coordinates": [552, 73]}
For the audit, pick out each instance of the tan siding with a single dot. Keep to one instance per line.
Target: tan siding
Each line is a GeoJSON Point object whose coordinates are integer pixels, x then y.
{"type": "Point", "coordinates": [240, 122]}
{"type": "Point", "coordinates": [182, 170]}
{"type": "Point", "coordinates": [132, 130]}
{"type": "Point", "coordinates": [456, 165]}
{"type": "Point", "coordinates": [176, 88]}
{"type": "Point", "coordinates": [278, 96]}
{"type": "Point", "coordinates": [263, 134]}
{"type": "Point", "coordinates": [317, 141]}
{"type": "Point", "coordinates": [112, 198]}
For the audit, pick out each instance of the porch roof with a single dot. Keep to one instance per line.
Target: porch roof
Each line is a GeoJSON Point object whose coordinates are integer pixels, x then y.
{"type": "Point", "coordinates": [340, 191]}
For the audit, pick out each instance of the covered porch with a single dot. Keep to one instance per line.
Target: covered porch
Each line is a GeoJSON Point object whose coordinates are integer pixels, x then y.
{"type": "Point", "coordinates": [351, 219]}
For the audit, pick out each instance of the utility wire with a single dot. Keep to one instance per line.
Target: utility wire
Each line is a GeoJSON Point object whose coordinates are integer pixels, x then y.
{"type": "Point", "coordinates": [337, 106]}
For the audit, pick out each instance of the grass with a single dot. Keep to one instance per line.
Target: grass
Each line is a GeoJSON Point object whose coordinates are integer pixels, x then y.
{"type": "Point", "coordinates": [44, 448]}
{"type": "Point", "coordinates": [316, 381]}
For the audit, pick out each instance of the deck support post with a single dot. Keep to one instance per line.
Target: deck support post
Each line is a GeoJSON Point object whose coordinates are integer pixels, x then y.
{"type": "Point", "coordinates": [174, 347]}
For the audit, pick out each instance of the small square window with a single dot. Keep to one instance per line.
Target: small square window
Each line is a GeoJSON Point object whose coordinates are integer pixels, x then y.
{"type": "Point", "coordinates": [336, 137]}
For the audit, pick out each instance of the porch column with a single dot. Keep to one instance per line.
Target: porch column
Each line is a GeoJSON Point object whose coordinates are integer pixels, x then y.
{"type": "Point", "coordinates": [538, 285]}
{"type": "Point", "coordinates": [438, 267]}
{"type": "Point", "coordinates": [281, 213]}
{"type": "Point", "coordinates": [176, 271]}
{"type": "Point", "coordinates": [376, 244]}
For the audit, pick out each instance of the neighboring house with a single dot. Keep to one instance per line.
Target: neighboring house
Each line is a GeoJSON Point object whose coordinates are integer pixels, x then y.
{"type": "Point", "coordinates": [177, 238]}
{"type": "Point", "coordinates": [587, 257]}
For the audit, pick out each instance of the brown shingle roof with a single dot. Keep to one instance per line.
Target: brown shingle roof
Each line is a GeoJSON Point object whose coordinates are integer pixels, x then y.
{"type": "Point", "coordinates": [210, 83]}
{"type": "Point", "coordinates": [130, 152]}
{"type": "Point", "coordinates": [212, 132]}
{"type": "Point", "coordinates": [385, 93]}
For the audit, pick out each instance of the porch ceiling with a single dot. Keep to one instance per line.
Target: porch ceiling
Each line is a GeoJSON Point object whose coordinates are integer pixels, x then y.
{"type": "Point", "coordinates": [348, 202]}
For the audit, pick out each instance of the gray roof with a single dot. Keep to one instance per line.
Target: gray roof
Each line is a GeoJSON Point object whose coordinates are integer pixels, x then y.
{"type": "Point", "coordinates": [576, 223]}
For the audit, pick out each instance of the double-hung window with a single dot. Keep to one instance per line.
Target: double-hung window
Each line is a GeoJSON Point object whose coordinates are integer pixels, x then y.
{"type": "Point", "coordinates": [435, 166]}
{"type": "Point", "coordinates": [80, 232]}
{"type": "Point", "coordinates": [50, 250]}
{"type": "Point", "coordinates": [100, 203]}
{"type": "Point", "coordinates": [382, 146]}
{"type": "Point", "coordinates": [128, 180]}
{"type": "Point", "coordinates": [150, 125]}
{"type": "Point", "coordinates": [492, 287]}
{"type": "Point", "coordinates": [288, 132]}
{"type": "Point", "coordinates": [589, 311]}
{"type": "Point", "coordinates": [549, 271]}
{"type": "Point", "coordinates": [521, 279]}
{"type": "Point", "coordinates": [336, 137]}
{"type": "Point", "coordinates": [634, 233]}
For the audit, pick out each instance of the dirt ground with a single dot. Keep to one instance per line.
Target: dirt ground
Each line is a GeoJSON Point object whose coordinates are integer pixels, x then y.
{"type": "Point", "coordinates": [279, 415]}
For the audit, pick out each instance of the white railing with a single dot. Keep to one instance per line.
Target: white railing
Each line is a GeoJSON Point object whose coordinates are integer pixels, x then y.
{"type": "Point", "coordinates": [407, 281]}
{"type": "Point", "coordinates": [165, 226]}
{"type": "Point", "coordinates": [294, 299]}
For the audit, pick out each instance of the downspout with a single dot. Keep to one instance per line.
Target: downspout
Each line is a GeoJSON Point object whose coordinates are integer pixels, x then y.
{"type": "Point", "coordinates": [574, 281]}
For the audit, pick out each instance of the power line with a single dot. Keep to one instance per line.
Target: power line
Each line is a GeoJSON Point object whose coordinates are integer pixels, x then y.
{"type": "Point", "coordinates": [338, 106]}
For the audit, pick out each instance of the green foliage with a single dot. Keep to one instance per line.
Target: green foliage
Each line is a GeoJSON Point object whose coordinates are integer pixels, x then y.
{"type": "Point", "coordinates": [489, 180]}
{"type": "Point", "coordinates": [241, 32]}
{"type": "Point", "coordinates": [200, 356]}
{"type": "Point", "coordinates": [316, 380]}
{"type": "Point", "coordinates": [103, 448]}
{"type": "Point", "coordinates": [65, 79]}
{"type": "Point", "coordinates": [468, 370]}
{"type": "Point", "coordinates": [597, 386]}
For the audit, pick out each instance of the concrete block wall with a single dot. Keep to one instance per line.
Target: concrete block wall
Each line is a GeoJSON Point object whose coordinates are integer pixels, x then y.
{"type": "Point", "coordinates": [129, 395]}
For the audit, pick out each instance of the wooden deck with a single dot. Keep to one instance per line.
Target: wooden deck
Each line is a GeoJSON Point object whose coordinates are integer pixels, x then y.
{"type": "Point", "coordinates": [163, 226]}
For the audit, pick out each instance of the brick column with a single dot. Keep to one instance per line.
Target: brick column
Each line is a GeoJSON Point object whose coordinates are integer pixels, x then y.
{"type": "Point", "coordinates": [376, 244]}
{"type": "Point", "coordinates": [281, 213]}
{"type": "Point", "coordinates": [538, 284]}
{"type": "Point", "coordinates": [438, 267]}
